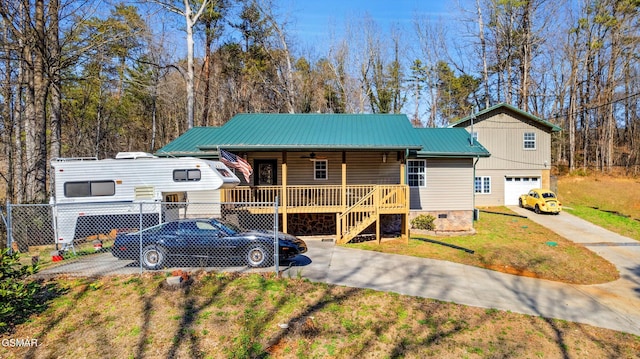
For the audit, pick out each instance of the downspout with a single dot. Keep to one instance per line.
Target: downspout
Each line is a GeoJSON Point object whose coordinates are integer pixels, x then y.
{"type": "Point", "coordinates": [475, 217]}
{"type": "Point", "coordinates": [406, 225]}
{"type": "Point", "coordinates": [406, 172]}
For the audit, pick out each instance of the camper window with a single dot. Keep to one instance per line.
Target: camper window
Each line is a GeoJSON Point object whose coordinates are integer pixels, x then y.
{"type": "Point", "coordinates": [224, 172]}
{"type": "Point", "coordinates": [186, 175]}
{"type": "Point", "coordinates": [89, 188]}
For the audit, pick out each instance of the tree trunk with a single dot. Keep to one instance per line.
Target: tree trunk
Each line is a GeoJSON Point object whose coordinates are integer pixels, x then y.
{"type": "Point", "coordinates": [190, 71]}
{"type": "Point", "coordinates": [53, 45]}
{"type": "Point", "coordinates": [206, 74]}
{"type": "Point", "coordinates": [483, 54]}
{"type": "Point", "coordinates": [9, 122]}
{"type": "Point", "coordinates": [525, 60]}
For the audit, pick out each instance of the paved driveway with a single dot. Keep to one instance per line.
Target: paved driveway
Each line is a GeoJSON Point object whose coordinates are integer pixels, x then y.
{"type": "Point", "coordinates": [613, 305]}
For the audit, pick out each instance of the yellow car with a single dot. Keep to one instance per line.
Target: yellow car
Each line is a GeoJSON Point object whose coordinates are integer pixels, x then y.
{"type": "Point", "coordinates": [541, 200]}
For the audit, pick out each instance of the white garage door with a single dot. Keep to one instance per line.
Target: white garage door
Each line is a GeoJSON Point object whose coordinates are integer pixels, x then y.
{"type": "Point", "coordinates": [515, 186]}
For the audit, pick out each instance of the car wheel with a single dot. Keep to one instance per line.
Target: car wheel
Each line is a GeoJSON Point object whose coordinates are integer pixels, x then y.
{"type": "Point", "coordinates": [520, 203]}
{"type": "Point", "coordinates": [257, 256]}
{"type": "Point", "coordinates": [153, 257]}
{"type": "Point", "coordinates": [537, 209]}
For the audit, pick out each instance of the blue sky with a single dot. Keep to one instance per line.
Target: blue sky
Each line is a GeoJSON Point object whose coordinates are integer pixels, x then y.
{"type": "Point", "coordinates": [313, 19]}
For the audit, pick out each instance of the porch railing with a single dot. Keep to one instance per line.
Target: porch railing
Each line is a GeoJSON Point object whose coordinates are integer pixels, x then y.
{"type": "Point", "coordinates": [309, 196]}
{"type": "Point", "coordinates": [356, 206]}
{"type": "Point", "coordinates": [367, 210]}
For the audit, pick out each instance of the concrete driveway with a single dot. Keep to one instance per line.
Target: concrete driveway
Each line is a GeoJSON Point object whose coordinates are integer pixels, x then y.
{"type": "Point", "coordinates": [614, 305]}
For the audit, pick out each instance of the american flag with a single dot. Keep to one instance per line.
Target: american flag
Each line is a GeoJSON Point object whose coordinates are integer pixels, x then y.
{"type": "Point", "coordinates": [236, 162]}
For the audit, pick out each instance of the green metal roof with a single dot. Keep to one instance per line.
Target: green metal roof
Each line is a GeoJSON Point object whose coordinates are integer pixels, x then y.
{"type": "Point", "coordinates": [314, 131]}
{"type": "Point", "coordinates": [187, 144]}
{"type": "Point", "coordinates": [337, 132]}
{"type": "Point", "coordinates": [265, 132]}
{"type": "Point", "coordinates": [449, 142]}
{"type": "Point", "coordinates": [499, 106]}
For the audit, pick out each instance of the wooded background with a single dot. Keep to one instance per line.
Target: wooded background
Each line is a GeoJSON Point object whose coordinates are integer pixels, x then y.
{"type": "Point", "coordinates": [92, 78]}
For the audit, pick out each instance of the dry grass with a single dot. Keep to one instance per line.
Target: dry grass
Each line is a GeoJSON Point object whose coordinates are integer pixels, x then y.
{"type": "Point", "coordinates": [239, 316]}
{"type": "Point", "coordinates": [610, 202]}
{"type": "Point", "coordinates": [619, 194]}
{"type": "Point", "coordinates": [513, 245]}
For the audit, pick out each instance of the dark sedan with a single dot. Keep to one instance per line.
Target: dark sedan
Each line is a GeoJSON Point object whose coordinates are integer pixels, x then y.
{"type": "Point", "coordinates": [204, 239]}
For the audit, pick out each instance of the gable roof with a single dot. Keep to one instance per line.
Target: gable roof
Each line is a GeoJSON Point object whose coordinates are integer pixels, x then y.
{"type": "Point", "coordinates": [449, 142]}
{"type": "Point", "coordinates": [502, 107]}
{"type": "Point", "coordinates": [314, 132]}
{"type": "Point", "coordinates": [188, 143]}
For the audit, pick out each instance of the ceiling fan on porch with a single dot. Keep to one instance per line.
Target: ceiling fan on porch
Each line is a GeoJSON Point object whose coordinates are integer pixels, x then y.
{"type": "Point", "coordinates": [312, 156]}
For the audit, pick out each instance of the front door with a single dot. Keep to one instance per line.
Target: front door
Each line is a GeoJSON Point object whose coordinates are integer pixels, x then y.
{"type": "Point", "coordinates": [265, 173]}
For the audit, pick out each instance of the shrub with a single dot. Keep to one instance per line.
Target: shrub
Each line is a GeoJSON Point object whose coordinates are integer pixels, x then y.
{"type": "Point", "coordinates": [424, 222]}
{"type": "Point", "coordinates": [18, 295]}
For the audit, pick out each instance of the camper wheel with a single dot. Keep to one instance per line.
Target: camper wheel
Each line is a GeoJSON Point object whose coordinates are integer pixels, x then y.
{"type": "Point", "coordinates": [257, 256]}
{"type": "Point", "coordinates": [153, 257]}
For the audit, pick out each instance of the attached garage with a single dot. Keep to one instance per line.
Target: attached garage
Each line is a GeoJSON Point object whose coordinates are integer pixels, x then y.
{"type": "Point", "coordinates": [515, 186]}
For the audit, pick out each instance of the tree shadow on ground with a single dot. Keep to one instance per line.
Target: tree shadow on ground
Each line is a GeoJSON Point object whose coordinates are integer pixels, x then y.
{"type": "Point", "coordinates": [636, 278]}
{"type": "Point", "coordinates": [25, 307]}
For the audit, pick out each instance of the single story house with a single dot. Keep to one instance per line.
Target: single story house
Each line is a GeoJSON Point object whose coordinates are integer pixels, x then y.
{"type": "Point", "coordinates": [345, 174]}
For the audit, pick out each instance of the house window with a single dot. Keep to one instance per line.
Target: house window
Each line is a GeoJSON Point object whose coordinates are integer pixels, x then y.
{"type": "Point", "coordinates": [89, 188]}
{"type": "Point", "coordinates": [320, 170]}
{"type": "Point", "coordinates": [186, 175]}
{"type": "Point", "coordinates": [483, 184]}
{"type": "Point", "coordinates": [417, 173]}
{"type": "Point", "coordinates": [529, 141]}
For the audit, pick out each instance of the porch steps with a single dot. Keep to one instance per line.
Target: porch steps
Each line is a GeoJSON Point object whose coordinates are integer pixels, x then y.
{"type": "Point", "coordinates": [356, 230]}
{"type": "Point", "coordinates": [357, 218]}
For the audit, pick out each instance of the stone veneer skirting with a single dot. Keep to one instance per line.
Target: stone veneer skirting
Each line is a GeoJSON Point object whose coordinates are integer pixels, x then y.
{"type": "Point", "coordinates": [448, 221]}
{"type": "Point", "coordinates": [313, 224]}
{"type": "Point", "coordinates": [310, 224]}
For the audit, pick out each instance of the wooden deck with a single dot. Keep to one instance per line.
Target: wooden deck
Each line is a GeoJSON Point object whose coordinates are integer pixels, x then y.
{"type": "Point", "coordinates": [356, 206]}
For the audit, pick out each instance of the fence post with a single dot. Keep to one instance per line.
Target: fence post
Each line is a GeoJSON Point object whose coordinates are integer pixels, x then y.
{"type": "Point", "coordinates": [7, 223]}
{"type": "Point", "coordinates": [140, 235]}
{"type": "Point", "coordinates": [276, 241]}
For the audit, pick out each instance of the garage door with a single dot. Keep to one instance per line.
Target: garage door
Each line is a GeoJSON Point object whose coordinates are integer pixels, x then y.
{"type": "Point", "coordinates": [515, 186]}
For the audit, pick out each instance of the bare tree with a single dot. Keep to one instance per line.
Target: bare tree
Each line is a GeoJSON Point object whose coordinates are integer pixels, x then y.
{"type": "Point", "coordinates": [185, 9]}
{"type": "Point", "coordinates": [432, 49]}
{"type": "Point", "coordinates": [286, 73]}
{"type": "Point", "coordinates": [29, 29]}
{"type": "Point", "coordinates": [483, 54]}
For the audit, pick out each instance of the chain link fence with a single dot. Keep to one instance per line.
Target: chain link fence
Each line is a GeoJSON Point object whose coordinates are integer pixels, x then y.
{"type": "Point", "coordinates": [124, 237]}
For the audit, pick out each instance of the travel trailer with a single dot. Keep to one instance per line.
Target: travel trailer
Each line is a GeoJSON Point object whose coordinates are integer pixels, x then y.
{"type": "Point", "coordinates": [132, 190]}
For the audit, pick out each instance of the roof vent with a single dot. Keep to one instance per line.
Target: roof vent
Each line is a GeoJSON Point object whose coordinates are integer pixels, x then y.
{"type": "Point", "coordinates": [133, 155]}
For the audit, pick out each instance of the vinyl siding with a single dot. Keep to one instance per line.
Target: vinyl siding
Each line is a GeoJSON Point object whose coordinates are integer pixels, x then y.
{"type": "Point", "coordinates": [503, 136]}
{"type": "Point", "coordinates": [204, 204]}
{"type": "Point", "coordinates": [362, 167]}
{"type": "Point", "coordinates": [449, 186]}
{"type": "Point", "coordinates": [496, 197]}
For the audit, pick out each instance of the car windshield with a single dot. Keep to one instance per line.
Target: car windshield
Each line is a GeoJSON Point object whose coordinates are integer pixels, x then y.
{"type": "Point", "coordinates": [548, 195]}
{"type": "Point", "coordinates": [226, 227]}
{"type": "Point", "coordinates": [160, 228]}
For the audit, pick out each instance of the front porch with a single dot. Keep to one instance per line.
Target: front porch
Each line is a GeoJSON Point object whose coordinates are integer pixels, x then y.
{"type": "Point", "coordinates": [356, 207]}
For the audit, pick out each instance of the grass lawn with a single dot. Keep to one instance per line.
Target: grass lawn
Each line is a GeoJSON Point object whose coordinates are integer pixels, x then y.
{"type": "Point", "coordinates": [258, 316]}
{"type": "Point", "coordinates": [519, 246]}
{"type": "Point", "coordinates": [597, 199]}
{"type": "Point", "coordinates": [513, 245]}
{"type": "Point", "coordinates": [222, 315]}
